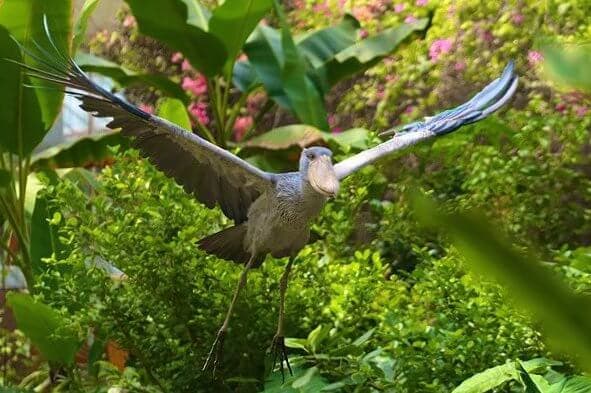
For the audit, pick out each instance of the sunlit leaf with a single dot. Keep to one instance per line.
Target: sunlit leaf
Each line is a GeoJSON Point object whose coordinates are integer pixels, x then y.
{"type": "Point", "coordinates": [45, 327]}
{"type": "Point", "coordinates": [82, 23]}
{"type": "Point", "coordinates": [569, 64]}
{"type": "Point", "coordinates": [174, 111]}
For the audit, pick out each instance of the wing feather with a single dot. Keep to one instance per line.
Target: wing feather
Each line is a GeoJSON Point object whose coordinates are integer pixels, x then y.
{"type": "Point", "coordinates": [488, 100]}
{"type": "Point", "coordinates": [210, 173]}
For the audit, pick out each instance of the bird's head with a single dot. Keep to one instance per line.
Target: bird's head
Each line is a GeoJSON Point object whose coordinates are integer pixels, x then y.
{"type": "Point", "coordinates": [316, 168]}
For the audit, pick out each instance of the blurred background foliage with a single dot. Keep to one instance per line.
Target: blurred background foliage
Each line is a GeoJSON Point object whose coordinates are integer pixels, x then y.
{"type": "Point", "coordinates": [380, 302]}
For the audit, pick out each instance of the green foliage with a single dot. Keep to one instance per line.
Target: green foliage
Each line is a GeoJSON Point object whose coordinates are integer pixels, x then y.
{"type": "Point", "coordinates": [45, 327]}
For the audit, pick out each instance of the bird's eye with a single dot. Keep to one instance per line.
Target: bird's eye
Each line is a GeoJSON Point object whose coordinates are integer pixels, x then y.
{"type": "Point", "coordinates": [310, 156]}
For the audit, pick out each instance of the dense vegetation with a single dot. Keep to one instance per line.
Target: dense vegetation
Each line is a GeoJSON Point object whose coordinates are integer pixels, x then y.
{"type": "Point", "coordinates": [379, 302]}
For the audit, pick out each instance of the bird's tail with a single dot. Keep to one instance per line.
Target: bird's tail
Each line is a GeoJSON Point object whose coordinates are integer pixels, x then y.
{"type": "Point", "coordinates": [228, 244]}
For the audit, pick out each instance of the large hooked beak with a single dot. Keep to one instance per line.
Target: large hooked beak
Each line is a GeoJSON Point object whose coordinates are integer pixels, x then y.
{"type": "Point", "coordinates": [322, 176]}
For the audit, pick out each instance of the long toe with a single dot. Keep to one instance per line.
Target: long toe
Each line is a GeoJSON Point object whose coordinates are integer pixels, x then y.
{"type": "Point", "coordinates": [279, 351]}
{"type": "Point", "coordinates": [214, 357]}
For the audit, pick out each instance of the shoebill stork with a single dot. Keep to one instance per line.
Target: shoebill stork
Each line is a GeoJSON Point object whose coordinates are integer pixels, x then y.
{"type": "Point", "coordinates": [272, 212]}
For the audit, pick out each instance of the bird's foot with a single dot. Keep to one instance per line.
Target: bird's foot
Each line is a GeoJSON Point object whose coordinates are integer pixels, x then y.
{"type": "Point", "coordinates": [214, 357]}
{"type": "Point", "coordinates": [279, 351]}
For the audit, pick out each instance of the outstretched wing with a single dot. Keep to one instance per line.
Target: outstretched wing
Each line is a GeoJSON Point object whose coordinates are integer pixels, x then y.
{"type": "Point", "coordinates": [212, 174]}
{"type": "Point", "coordinates": [487, 101]}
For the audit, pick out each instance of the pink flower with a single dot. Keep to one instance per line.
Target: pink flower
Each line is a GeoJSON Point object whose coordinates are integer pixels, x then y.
{"type": "Point", "coordinates": [363, 33]}
{"type": "Point", "coordinates": [460, 66]}
{"type": "Point", "coordinates": [517, 19]}
{"type": "Point", "coordinates": [186, 66]}
{"type": "Point", "coordinates": [534, 57]}
{"type": "Point", "coordinates": [560, 107]}
{"type": "Point", "coordinates": [581, 111]}
{"type": "Point", "coordinates": [255, 101]}
{"type": "Point", "coordinates": [199, 111]}
{"type": "Point", "coordinates": [197, 86]}
{"type": "Point", "coordinates": [486, 35]}
{"type": "Point", "coordinates": [176, 57]}
{"type": "Point", "coordinates": [409, 109]}
{"type": "Point", "coordinates": [398, 8]}
{"type": "Point", "coordinates": [362, 13]}
{"type": "Point", "coordinates": [421, 3]}
{"type": "Point", "coordinates": [147, 108]}
{"type": "Point", "coordinates": [129, 21]}
{"type": "Point", "coordinates": [439, 47]}
{"type": "Point", "coordinates": [242, 124]}
{"type": "Point", "coordinates": [410, 19]}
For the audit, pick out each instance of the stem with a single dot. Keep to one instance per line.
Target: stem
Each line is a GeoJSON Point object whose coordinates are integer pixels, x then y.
{"type": "Point", "coordinates": [234, 113]}
{"type": "Point", "coordinates": [25, 264]}
{"type": "Point", "coordinates": [214, 99]}
{"type": "Point", "coordinates": [204, 130]}
{"type": "Point", "coordinates": [264, 110]}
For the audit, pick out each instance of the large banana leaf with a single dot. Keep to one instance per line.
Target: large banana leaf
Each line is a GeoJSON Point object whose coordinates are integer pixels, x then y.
{"type": "Point", "coordinates": [45, 327]}
{"type": "Point", "coordinates": [174, 111]}
{"type": "Point", "coordinates": [20, 114]}
{"type": "Point", "coordinates": [82, 23]}
{"type": "Point", "coordinates": [125, 77]}
{"type": "Point", "coordinates": [166, 21]}
{"type": "Point", "coordinates": [24, 20]}
{"type": "Point", "coordinates": [305, 99]}
{"type": "Point", "coordinates": [234, 20]}
{"type": "Point", "coordinates": [86, 151]}
{"type": "Point", "coordinates": [366, 53]}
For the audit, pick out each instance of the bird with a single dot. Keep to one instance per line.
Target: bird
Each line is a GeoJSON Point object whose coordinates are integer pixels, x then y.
{"type": "Point", "coordinates": [272, 212]}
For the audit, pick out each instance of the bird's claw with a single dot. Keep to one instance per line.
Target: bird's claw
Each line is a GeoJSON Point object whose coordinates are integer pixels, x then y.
{"type": "Point", "coordinates": [214, 357]}
{"type": "Point", "coordinates": [279, 350]}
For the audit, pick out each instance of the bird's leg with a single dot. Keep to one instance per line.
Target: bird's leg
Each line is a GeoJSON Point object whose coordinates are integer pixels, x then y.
{"type": "Point", "coordinates": [216, 351]}
{"type": "Point", "coordinates": [278, 348]}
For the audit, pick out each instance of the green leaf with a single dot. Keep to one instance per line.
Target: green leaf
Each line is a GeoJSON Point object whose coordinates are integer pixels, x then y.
{"type": "Point", "coordinates": [366, 53]}
{"type": "Point", "coordinates": [322, 45]}
{"type": "Point", "coordinates": [197, 14]}
{"type": "Point", "coordinates": [354, 138]}
{"type": "Point", "coordinates": [498, 375]}
{"type": "Point", "coordinates": [578, 384]}
{"type": "Point", "coordinates": [44, 237]}
{"type": "Point", "coordinates": [174, 111]}
{"type": "Point", "coordinates": [265, 55]}
{"type": "Point", "coordinates": [298, 343]}
{"type": "Point", "coordinates": [558, 308]}
{"type": "Point", "coordinates": [285, 137]}
{"type": "Point", "coordinates": [304, 97]}
{"type": "Point", "coordinates": [20, 114]}
{"type": "Point", "coordinates": [24, 20]}
{"type": "Point", "coordinates": [127, 78]}
{"type": "Point", "coordinates": [234, 20]}
{"type": "Point", "coordinates": [5, 178]}
{"type": "Point", "coordinates": [45, 327]}
{"type": "Point", "coordinates": [569, 64]}
{"type": "Point", "coordinates": [244, 76]}
{"type": "Point", "coordinates": [82, 23]}
{"type": "Point", "coordinates": [85, 151]}
{"type": "Point", "coordinates": [166, 21]}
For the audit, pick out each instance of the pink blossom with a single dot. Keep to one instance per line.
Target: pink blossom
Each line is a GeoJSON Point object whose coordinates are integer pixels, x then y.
{"type": "Point", "coordinates": [398, 8]}
{"type": "Point", "coordinates": [255, 101]}
{"type": "Point", "coordinates": [186, 66]}
{"type": "Point", "coordinates": [129, 21]}
{"type": "Point", "coordinates": [147, 108]}
{"type": "Point", "coordinates": [199, 112]}
{"type": "Point", "coordinates": [460, 66]}
{"type": "Point", "coordinates": [534, 57]}
{"type": "Point", "coordinates": [560, 107]}
{"type": "Point", "coordinates": [176, 57]}
{"type": "Point", "coordinates": [363, 33]}
{"type": "Point", "coordinates": [486, 35]}
{"type": "Point", "coordinates": [242, 124]}
{"type": "Point", "coordinates": [421, 3]}
{"type": "Point", "coordinates": [517, 19]}
{"type": "Point", "coordinates": [409, 109]}
{"type": "Point", "coordinates": [197, 86]}
{"type": "Point", "coordinates": [410, 19]}
{"type": "Point", "coordinates": [581, 111]}
{"type": "Point", "coordinates": [439, 47]}
{"type": "Point", "coordinates": [336, 130]}
{"type": "Point", "coordinates": [363, 13]}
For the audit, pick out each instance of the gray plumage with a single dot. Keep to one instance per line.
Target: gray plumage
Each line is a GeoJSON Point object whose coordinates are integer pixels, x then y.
{"type": "Point", "coordinates": [272, 212]}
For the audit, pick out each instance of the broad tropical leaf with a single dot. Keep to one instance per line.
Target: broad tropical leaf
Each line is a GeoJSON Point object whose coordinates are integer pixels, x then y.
{"type": "Point", "coordinates": [86, 151]}
{"type": "Point", "coordinates": [197, 14]}
{"type": "Point", "coordinates": [20, 114]}
{"type": "Point", "coordinates": [234, 20]}
{"type": "Point", "coordinates": [45, 327]}
{"type": "Point", "coordinates": [304, 96]}
{"type": "Point", "coordinates": [24, 19]}
{"type": "Point", "coordinates": [126, 78]}
{"type": "Point", "coordinates": [366, 53]}
{"type": "Point", "coordinates": [174, 111]}
{"type": "Point", "coordinates": [204, 50]}
{"type": "Point", "coordinates": [82, 23]}
{"type": "Point", "coordinates": [569, 65]}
